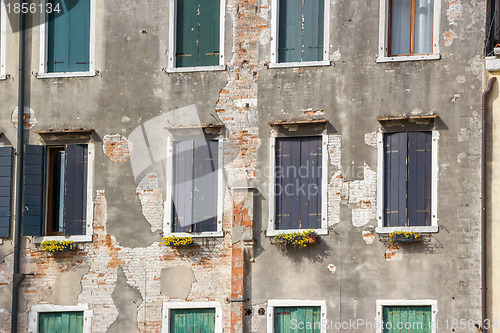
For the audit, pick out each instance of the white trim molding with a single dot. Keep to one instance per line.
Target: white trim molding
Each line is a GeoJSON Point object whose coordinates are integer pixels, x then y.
{"type": "Point", "coordinates": [167, 217]}
{"type": "Point", "coordinates": [167, 306]}
{"type": "Point", "coordinates": [42, 71]}
{"type": "Point", "coordinates": [422, 302]}
{"type": "Point", "coordinates": [275, 36]}
{"type": "Point", "coordinates": [33, 317]}
{"type": "Point", "coordinates": [3, 40]}
{"type": "Point", "coordinates": [434, 189]}
{"type": "Point", "coordinates": [272, 303]}
{"type": "Point", "coordinates": [172, 33]}
{"type": "Point", "coordinates": [271, 231]}
{"type": "Point", "coordinates": [383, 47]}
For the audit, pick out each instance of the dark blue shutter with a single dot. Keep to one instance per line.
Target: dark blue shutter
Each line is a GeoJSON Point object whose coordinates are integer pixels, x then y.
{"type": "Point", "coordinates": [419, 178]}
{"type": "Point", "coordinates": [183, 186]}
{"type": "Point", "coordinates": [33, 190]}
{"type": "Point", "coordinates": [75, 190]}
{"type": "Point", "coordinates": [6, 158]}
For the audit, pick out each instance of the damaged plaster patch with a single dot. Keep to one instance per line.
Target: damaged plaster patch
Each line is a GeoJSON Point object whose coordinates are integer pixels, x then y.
{"type": "Point", "coordinates": [394, 253]}
{"type": "Point", "coordinates": [176, 282]}
{"type": "Point", "coordinates": [6, 299]}
{"type": "Point", "coordinates": [368, 237]}
{"type": "Point", "coordinates": [448, 37]}
{"type": "Point", "coordinates": [151, 197]}
{"type": "Point", "coordinates": [371, 139]}
{"type": "Point", "coordinates": [454, 11]}
{"type": "Point", "coordinates": [116, 147]}
{"type": "Point", "coordinates": [29, 118]}
{"type": "Point", "coordinates": [67, 286]}
{"type": "Point", "coordinates": [336, 56]}
{"type": "Point", "coordinates": [312, 112]}
{"type": "Point", "coordinates": [332, 268]}
{"type": "Point", "coordinates": [237, 233]}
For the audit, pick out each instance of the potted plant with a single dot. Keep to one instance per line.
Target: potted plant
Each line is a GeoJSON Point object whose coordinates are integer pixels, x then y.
{"type": "Point", "coordinates": [175, 241]}
{"type": "Point", "coordinates": [300, 239]}
{"type": "Point", "coordinates": [54, 246]}
{"type": "Point", "coordinates": [404, 237]}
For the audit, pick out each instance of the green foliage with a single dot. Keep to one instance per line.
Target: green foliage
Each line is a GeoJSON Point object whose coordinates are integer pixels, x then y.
{"type": "Point", "coordinates": [301, 239]}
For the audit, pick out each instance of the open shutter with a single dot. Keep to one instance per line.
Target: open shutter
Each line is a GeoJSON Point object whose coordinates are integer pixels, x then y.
{"type": "Point", "coordinates": [290, 31]}
{"type": "Point", "coordinates": [33, 190]}
{"type": "Point", "coordinates": [192, 320]}
{"type": "Point", "coordinates": [209, 32]}
{"type": "Point", "coordinates": [308, 315]}
{"type": "Point", "coordinates": [6, 158]}
{"type": "Point", "coordinates": [75, 190]}
{"type": "Point", "coordinates": [284, 201]}
{"type": "Point", "coordinates": [52, 322]}
{"type": "Point", "coordinates": [314, 17]}
{"type": "Point", "coordinates": [183, 186]}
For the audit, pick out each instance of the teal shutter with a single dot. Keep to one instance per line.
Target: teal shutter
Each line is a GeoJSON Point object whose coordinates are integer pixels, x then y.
{"type": "Point", "coordinates": [408, 319]}
{"type": "Point", "coordinates": [6, 159]}
{"type": "Point", "coordinates": [209, 33]}
{"type": "Point", "coordinates": [314, 17]}
{"type": "Point", "coordinates": [61, 322]}
{"type": "Point", "coordinates": [75, 196]}
{"type": "Point", "coordinates": [287, 319]}
{"type": "Point", "coordinates": [68, 48]}
{"type": "Point", "coordinates": [33, 190]}
{"type": "Point", "coordinates": [192, 320]}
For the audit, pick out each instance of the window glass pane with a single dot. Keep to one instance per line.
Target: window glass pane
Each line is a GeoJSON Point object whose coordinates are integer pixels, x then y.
{"type": "Point", "coordinates": [308, 318]}
{"type": "Point", "coordinates": [409, 319]}
{"type": "Point", "coordinates": [55, 322]}
{"type": "Point", "coordinates": [192, 320]}
{"type": "Point", "coordinates": [400, 27]}
{"type": "Point", "coordinates": [423, 26]}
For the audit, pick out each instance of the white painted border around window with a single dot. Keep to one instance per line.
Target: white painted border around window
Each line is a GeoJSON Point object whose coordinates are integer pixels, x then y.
{"type": "Point", "coordinates": [42, 74]}
{"type": "Point", "coordinates": [167, 218]}
{"type": "Point", "coordinates": [383, 48]}
{"type": "Point", "coordinates": [434, 189]}
{"type": "Point", "coordinates": [422, 302]}
{"type": "Point", "coordinates": [172, 33]}
{"type": "Point", "coordinates": [167, 306]}
{"type": "Point", "coordinates": [272, 303]}
{"type": "Point", "coordinates": [33, 317]}
{"type": "Point", "coordinates": [3, 40]}
{"type": "Point", "coordinates": [89, 230]}
{"type": "Point", "coordinates": [271, 231]}
{"type": "Point", "coordinates": [275, 35]}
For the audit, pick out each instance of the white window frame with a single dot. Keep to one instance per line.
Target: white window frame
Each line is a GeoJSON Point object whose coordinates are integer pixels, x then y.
{"type": "Point", "coordinates": [434, 189]}
{"type": "Point", "coordinates": [42, 71]}
{"type": "Point", "coordinates": [167, 306]}
{"type": "Point", "coordinates": [172, 32]}
{"type": "Point", "coordinates": [271, 231]}
{"type": "Point", "coordinates": [167, 218]}
{"type": "Point", "coordinates": [275, 35]}
{"type": "Point", "coordinates": [3, 40]}
{"type": "Point", "coordinates": [89, 230]}
{"type": "Point", "coordinates": [33, 317]}
{"type": "Point", "coordinates": [383, 47]}
{"type": "Point", "coordinates": [422, 302]}
{"type": "Point", "coordinates": [272, 303]}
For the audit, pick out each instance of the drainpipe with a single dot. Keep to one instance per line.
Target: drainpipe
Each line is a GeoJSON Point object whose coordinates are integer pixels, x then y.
{"type": "Point", "coordinates": [18, 278]}
{"type": "Point", "coordinates": [484, 295]}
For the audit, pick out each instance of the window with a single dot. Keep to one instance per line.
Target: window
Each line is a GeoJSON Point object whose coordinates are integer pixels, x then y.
{"type": "Point", "coordinates": [200, 317]}
{"type": "Point", "coordinates": [409, 30]}
{"type": "Point", "coordinates": [195, 188]}
{"type": "Point", "coordinates": [48, 318]}
{"type": "Point", "coordinates": [300, 31]}
{"type": "Point", "coordinates": [196, 35]}
{"type": "Point", "coordinates": [296, 316]}
{"type": "Point", "coordinates": [67, 39]}
{"type": "Point", "coordinates": [415, 316]}
{"type": "Point", "coordinates": [6, 168]}
{"type": "Point", "coordinates": [57, 193]}
{"type": "Point", "coordinates": [297, 186]}
{"type": "Point", "coordinates": [3, 37]}
{"type": "Point", "coordinates": [407, 181]}
{"type": "Point", "coordinates": [492, 26]}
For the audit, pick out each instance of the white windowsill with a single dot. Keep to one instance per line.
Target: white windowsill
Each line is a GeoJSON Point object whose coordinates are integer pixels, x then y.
{"type": "Point", "coordinates": [64, 74]}
{"type": "Point", "coordinates": [387, 230]}
{"type": "Point", "coordinates": [3, 77]}
{"type": "Point", "coordinates": [76, 238]}
{"type": "Point", "coordinates": [299, 64]}
{"type": "Point", "coordinates": [196, 234]}
{"type": "Point", "coordinates": [409, 58]}
{"type": "Point", "coordinates": [195, 69]}
{"type": "Point", "coordinates": [492, 64]}
{"type": "Point", "coordinates": [319, 232]}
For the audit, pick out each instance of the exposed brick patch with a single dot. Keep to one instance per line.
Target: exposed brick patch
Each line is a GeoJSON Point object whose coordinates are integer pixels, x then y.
{"type": "Point", "coordinates": [394, 253]}
{"type": "Point", "coordinates": [448, 37]}
{"type": "Point", "coordinates": [29, 118]}
{"type": "Point", "coordinates": [116, 147]}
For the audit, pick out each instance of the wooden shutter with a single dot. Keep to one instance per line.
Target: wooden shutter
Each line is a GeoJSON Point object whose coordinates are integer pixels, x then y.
{"type": "Point", "coordinates": [314, 17]}
{"type": "Point", "coordinates": [75, 190]}
{"type": "Point", "coordinates": [209, 33]}
{"type": "Point", "coordinates": [68, 48]}
{"type": "Point", "coordinates": [192, 320]}
{"type": "Point", "coordinates": [33, 190]}
{"type": "Point", "coordinates": [58, 322]}
{"type": "Point", "coordinates": [418, 319]}
{"type": "Point", "coordinates": [290, 31]}
{"type": "Point", "coordinates": [298, 183]}
{"type": "Point", "coordinates": [6, 159]}
{"type": "Point", "coordinates": [307, 316]}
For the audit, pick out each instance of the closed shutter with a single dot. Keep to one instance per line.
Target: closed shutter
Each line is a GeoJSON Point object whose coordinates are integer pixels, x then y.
{"type": "Point", "coordinates": [309, 316]}
{"type": "Point", "coordinates": [75, 196]}
{"type": "Point", "coordinates": [6, 159]}
{"type": "Point", "coordinates": [33, 190]}
{"type": "Point", "coordinates": [183, 186]}
{"type": "Point", "coordinates": [410, 319]}
{"type": "Point", "coordinates": [68, 48]}
{"type": "Point", "coordinates": [59, 322]}
{"type": "Point", "coordinates": [314, 17]}
{"type": "Point", "coordinates": [192, 320]}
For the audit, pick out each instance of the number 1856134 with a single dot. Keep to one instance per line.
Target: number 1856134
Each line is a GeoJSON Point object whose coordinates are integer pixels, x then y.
{"type": "Point", "coordinates": [33, 8]}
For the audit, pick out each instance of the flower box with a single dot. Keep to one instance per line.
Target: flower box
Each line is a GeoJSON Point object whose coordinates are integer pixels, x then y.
{"type": "Point", "coordinates": [405, 237]}
{"type": "Point", "coordinates": [175, 241]}
{"type": "Point", "coordinates": [298, 240]}
{"type": "Point", "coordinates": [54, 246]}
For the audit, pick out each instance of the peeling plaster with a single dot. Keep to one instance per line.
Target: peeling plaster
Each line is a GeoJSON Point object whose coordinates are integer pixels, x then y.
{"type": "Point", "coordinates": [454, 11]}
{"type": "Point", "coordinates": [448, 37]}
{"type": "Point", "coordinates": [332, 268]}
{"type": "Point", "coordinates": [336, 56]}
{"type": "Point", "coordinates": [394, 253]}
{"type": "Point", "coordinates": [368, 236]}
{"type": "Point", "coordinates": [177, 281]}
{"type": "Point", "coordinates": [29, 118]}
{"type": "Point", "coordinates": [151, 198]}
{"type": "Point", "coordinates": [116, 147]}
{"type": "Point", "coordinates": [65, 290]}
{"type": "Point", "coordinates": [371, 139]}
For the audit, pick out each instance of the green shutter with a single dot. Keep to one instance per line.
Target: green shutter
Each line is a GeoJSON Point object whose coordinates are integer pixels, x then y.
{"type": "Point", "coordinates": [209, 33]}
{"type": "Point", "coordinates": [408, 319]}
{"type": "Point", "coordinates": [290, 319]}
{"type": "Point", "coordinates": [61, 322]}
{"type": "Point", "coordinates": [68, 48]}
{"type": "Point", "coordinates": [192, 320]}
{"type": "Point", "coordinates": [312, 39]}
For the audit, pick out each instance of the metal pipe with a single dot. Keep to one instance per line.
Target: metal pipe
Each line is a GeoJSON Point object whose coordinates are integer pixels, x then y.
{"type": "Point", "coordinates": [17, 278]}
{"type": "Point", "coordinates": [484, 109]}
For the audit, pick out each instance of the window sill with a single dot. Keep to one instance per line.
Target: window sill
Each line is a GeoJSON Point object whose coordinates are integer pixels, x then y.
{"type": "Point", "coordinates": [195, 69]}
{"type": "Point", "coordinates": [3, 77]}
{"type": "Point", "coordinates": [196, 234]}
{"type": "Point", "coordinates": [492, 64]}
{"type": "Point", "coordinates": [66, 74]}
{"type": "Point", "coordinates": [319, 232]}
{"type": "Point", "coordinates": [387, 230]}
{"type": "Point", "coordinates": [409, 58]}
{"type": "Point", "coordinates": [76, 238]}
{"type": "Point", "coordinates": [299, 64]}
